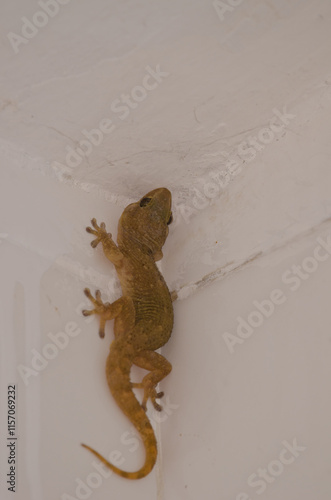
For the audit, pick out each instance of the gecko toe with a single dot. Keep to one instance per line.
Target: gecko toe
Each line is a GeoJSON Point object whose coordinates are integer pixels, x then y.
{"type": "Point", "coordinates": [95, 242]}
{"type": "Point", "coordinates": [85, 312]}
{"type": "Point", "coordinates": [157, 406]}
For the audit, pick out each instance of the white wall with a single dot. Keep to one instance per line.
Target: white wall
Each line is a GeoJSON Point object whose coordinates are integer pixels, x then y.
{"type": "Point", "coordinates": [228, 105]}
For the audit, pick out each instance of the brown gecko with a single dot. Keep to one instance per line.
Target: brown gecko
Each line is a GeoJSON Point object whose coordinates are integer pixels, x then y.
{"type": "Point", "coordinates": [143, 315]}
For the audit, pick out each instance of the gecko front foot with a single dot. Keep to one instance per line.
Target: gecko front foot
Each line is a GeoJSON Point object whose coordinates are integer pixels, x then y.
{"type": "Point", "coordinates": [100, 308]}
{"type": "Point", "coordinates": [149, 392]}
{"type": "Point", "coordinates": [98, 231]}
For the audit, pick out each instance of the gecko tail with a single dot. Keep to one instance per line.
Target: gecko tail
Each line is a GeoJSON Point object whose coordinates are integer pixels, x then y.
{"type": "Point", "coordinates": [146, 469]}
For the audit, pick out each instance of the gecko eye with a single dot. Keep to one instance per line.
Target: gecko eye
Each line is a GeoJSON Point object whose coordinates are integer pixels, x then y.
{"type": "Point", "coordinates": [170, 219]}
{"type": "Point", "coordinates": [145, 202]}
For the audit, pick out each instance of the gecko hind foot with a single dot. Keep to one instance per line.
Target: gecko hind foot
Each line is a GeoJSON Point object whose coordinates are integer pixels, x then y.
{"type": "Point", "coordinates": [100, 308]}
{"type": "Point", "coordinates": [149, 393]}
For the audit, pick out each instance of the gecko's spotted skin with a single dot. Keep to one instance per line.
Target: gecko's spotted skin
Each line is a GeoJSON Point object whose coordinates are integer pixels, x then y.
{"type": "Point", "coordinates": [143, 315]}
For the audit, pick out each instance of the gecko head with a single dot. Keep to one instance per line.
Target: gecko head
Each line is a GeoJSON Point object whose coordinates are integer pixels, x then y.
{"type": "Point", "coordinates": [144, 224]}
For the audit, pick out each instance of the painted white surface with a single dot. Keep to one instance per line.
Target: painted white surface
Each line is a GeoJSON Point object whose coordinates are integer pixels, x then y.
{"type": "Point", "coordinates": [260, 74]}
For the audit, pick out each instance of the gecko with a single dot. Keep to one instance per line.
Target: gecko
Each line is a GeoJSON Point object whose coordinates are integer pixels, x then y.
{"type": "Point", "coordinates": [143, 316]}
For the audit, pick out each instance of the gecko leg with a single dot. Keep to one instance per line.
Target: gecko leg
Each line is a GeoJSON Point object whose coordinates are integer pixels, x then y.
{"type": "Point", "coordinates": [159, 368]}
{"type": "Point", "coordinates": [110, 249]}
{"type": "Point", "coordinates": [108, 311]}
{"type": "Point", "coordinates": [104, 310]}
